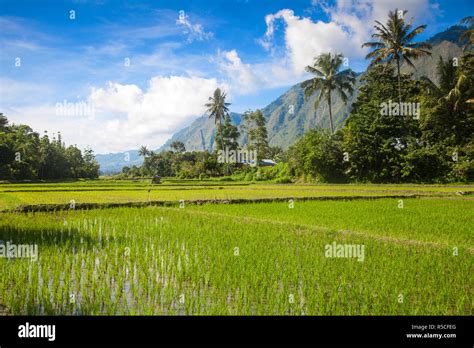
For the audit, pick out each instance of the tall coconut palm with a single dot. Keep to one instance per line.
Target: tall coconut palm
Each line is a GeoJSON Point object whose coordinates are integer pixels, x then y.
{"type": "Point", "coordinates": [464, 84]}
{"type": "Point", "coordinates": [217, 109]}
{"type": "Point", "coordinates": [328, 78]}
{"type": "Point", "coordinates": [395, 43]}
{"type": "Point", "coordinates": [143, 151]}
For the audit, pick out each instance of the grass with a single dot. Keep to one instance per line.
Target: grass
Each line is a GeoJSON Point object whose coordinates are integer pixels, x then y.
{"type": "Point", "coordinates": [244, 259]}
{"type": "Point", "coordinates": [449, 222]}
{"type": "Point", "coordinates": [106, 191]}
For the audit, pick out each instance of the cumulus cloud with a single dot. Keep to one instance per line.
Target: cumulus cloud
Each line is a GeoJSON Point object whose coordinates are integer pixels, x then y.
{"type": "Point", "coordinates": [242, 76]}
{"type": "Point", "coordinates": [245, 78]}
{"type": "Point", "coordinates": [150, 116]}
{"type": "Point", "coordinates": [193, 31]}
{"type": "Point", "coordinates": [350, 25]}
{"type": "Point", "coordinates": [116, 97]}
{"type": "Point", "coordinates": [126, 116]}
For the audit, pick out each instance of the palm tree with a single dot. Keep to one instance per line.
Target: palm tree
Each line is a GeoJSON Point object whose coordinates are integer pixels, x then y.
{"type": "Point", "coordinates": [328, 78]}
{"type": "Point", "coordinates": [217, 109]}
{"type": "Point", "coordinates": [464, 84]}
{"type": "Point", "coordinates": [395, 43]}
{"type": "Point", "coordinates": [143, 151]}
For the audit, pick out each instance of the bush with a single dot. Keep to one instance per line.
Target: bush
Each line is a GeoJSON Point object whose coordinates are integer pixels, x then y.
{"type": "Point", "coordinates": [283, 180]}
{"type": "Point", "coordinates": [317, 156]}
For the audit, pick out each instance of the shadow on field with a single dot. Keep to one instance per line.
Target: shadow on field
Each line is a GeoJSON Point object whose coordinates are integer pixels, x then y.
{"type": "Point", "coordinates": [45, 236]}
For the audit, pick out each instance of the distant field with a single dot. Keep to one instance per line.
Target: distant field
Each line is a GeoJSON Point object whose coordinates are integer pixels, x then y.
{"type": "Point", "coordinates": [105, 191]}
{"type": "Point", "coordinates": [239, 259]}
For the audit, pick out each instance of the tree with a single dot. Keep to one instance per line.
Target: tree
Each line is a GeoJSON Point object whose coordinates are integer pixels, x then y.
{"type": "Point", "coordinates": [3, 122]}
{"type": "Point", "coordinates": [217, 108]}
{"type": "Point", "coordinates": [468, 35]}
{"type": "Point", "coordinates": [230, 134]}
{"type": "Point", "coordinates": [464, 85]}
{"type": "Point", "coordinates": [448, 118]}
{"type": "Point", "coordinates": [328, 78]}
{"type": "Point", "coordinates": [90, 164]}
{"type": "Point", "coordinates": [143, 151]}
{"type": "Point", "coordinates": [178, 146]}
{"type": "Point", "coordinates": [257, 135]}
{"type": "Point", "coordinates": [275, 153]}
{"type": "Point", "coordinates": [26, 155]}
{"type": "Point", "coordinates": [318, 155]}
{"type": "Point", "coordinates": [375, 143]}
{"type": "Point", "coordinates": [395, 43]}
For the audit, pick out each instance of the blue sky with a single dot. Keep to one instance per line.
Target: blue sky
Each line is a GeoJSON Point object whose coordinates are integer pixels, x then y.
{"type": "Point", "coordinates": [133, 74]}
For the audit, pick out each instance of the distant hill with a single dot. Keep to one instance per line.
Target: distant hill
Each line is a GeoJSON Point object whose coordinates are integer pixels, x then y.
{"type": "Point", "coordinates": [289, 116]}
{"type": "Point", "coordinates": [114, 162]}
{"type": "Point", "coordinates": [446, 44]}
{"type": "Point", "coordinates": [199, 135]}
{"type": "Point", "coordinates": [452, 34]}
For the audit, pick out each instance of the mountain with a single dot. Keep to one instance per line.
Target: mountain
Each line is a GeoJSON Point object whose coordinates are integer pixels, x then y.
{"type": "Point", "coordinates": [447, 44]}
{"type": "Point", "coordinates": [112, 163]}
{"type": "Point", "coordinates": [289, 116]}
{"type": "Point", "coordinates": [199, 135]}
{"type": "Point", "coordinates": [452, 34]}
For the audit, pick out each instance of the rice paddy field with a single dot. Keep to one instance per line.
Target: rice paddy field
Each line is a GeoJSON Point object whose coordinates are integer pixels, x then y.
{"type": "Point", "coordinates": [415, 255]}
{"type": "Point", "coordinates": [122, 191]}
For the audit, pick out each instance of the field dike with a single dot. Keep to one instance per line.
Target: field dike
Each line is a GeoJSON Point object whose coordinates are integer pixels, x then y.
{"type": "Point", "coordinates": [86, 206]}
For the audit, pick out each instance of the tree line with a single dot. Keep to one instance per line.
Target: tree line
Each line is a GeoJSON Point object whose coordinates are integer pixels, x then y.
{"type": "Point", "coordinates": [184, 164]}
{"type": "Point", "coordinates": [25, 155]}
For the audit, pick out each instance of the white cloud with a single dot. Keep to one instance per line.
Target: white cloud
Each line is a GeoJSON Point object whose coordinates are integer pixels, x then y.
{"type": "Point", "coordinates": [136, 117]}
{"type": "Point", "coordinates": [116, 97]}
{"type": "Point", "coordinates": [420, 9]}
{"type": "Point", "coordinates": [241, 75]}
{"type": "Point", "coordinates": [125, 116]}
{"type": "Point", "coordinates": [194, 31]}
{"type": "Point", "coordinates": [350, 25]}
{"type": "Point", "coordinates": [244, 78]}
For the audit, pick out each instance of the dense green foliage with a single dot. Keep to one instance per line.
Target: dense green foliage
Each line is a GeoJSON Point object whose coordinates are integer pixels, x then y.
{"type": "Point", "coordinates": [229, 134]}
{"type": "Point", "coordinates": [318, 155]}
{"type": "Point", "coordinates": [254, 125]}
{"type": "Point", "coordinates": [432, 143]}
{"type": "Point", "coordinates": [25, 155]}
{"type": "Point", "coordinates": [437, 146]}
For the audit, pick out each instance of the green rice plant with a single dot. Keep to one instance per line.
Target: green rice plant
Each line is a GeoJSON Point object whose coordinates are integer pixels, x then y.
{"type": "Point", "coordinates": [243, 259]}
